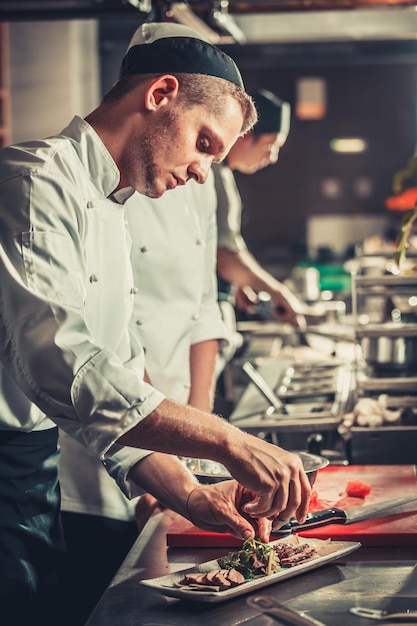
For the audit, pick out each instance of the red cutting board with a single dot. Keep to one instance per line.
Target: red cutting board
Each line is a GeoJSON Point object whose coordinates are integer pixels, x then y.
{"type": "Point", "coordinates": [387, 482]}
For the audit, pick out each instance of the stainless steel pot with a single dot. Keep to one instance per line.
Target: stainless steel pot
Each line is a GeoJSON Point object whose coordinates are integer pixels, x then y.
{"type": "Point", "coordinates": [390, 347]}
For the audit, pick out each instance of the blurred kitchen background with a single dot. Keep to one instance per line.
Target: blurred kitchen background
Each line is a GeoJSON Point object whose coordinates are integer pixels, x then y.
{"type": "Point", "coordinates": [349, 73]}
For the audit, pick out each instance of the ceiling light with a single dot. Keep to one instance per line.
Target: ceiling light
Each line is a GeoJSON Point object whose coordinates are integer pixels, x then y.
{"type": "Point", "coordinates": [348, 145]}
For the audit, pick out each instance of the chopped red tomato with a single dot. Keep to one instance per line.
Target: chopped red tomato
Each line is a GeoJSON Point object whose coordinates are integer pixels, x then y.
{"type": "Point", "coordinates": [357, 489]}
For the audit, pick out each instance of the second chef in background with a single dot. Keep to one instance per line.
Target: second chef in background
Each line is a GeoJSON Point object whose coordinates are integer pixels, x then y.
{"type": "Point", "coordinates": [241, 276]}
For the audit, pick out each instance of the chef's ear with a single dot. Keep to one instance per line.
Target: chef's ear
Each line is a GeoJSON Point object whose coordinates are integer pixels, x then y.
{"type": "Point", "coordinates": [161, 91]}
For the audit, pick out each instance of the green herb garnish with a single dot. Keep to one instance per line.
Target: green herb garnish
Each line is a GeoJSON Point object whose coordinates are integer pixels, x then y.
{"type": "Point", "coordinates": [253, 560]}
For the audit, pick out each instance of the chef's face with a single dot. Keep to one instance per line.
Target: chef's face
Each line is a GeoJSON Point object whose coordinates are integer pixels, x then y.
{"type": "Point", "coordinates": [254, 152]}
{"type": "Point", "coordinates": [181, 144]}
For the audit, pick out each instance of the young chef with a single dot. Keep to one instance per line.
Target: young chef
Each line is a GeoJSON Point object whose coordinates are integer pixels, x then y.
{"type": "Point", "coordinates": [66, 295]}
{"type": "Point", "coordinates": [177, 321]}
{"type": "Point", "coordinates": [241, 276]}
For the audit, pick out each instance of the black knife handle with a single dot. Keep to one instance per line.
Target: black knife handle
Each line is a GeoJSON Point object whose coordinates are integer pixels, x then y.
{"type": "Point", "coordinates": [314, 520]}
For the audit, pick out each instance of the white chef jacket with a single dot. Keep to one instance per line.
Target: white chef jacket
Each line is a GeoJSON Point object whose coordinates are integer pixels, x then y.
{"type": "Point", "coordinates": [229, 223]}
{"type": "Point", "coordinates": [66, 296]}
{"type": "Point", "coordinates": [229, 209]}
{"type": "Point", "coordinates": [174, 244]}
{"type": "Point", "coordinates": [173, 257]}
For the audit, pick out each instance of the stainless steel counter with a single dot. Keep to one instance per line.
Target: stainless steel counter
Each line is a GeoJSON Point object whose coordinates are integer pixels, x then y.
{"type": "Point", "coordinates": [371, 577]}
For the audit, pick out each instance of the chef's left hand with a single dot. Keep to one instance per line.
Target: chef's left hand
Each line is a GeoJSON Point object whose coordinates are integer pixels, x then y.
{"type": "Point", "coordinates": [287, 308]}
{"type": "Point", "coordinates": [218, 508]}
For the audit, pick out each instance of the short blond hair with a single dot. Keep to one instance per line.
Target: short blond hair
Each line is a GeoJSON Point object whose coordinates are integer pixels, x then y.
{"type": "Point", "coordinates": [210, 91]}
{"type": "Point", "coordinates": [196, 89]}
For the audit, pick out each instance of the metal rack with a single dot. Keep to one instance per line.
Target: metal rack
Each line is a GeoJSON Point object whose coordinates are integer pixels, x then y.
{"type": "Point", "coordinates": [395, 442]}
{"type": "Point", "coordinates": [380, 288]}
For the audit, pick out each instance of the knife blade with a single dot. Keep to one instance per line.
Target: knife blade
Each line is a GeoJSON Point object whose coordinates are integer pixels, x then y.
{"type": "Point", "coordinates": [335, 515]}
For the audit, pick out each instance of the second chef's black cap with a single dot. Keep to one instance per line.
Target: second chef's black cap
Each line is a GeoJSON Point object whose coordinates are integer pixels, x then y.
{"type": "Point", "coordinates": [273, 113]}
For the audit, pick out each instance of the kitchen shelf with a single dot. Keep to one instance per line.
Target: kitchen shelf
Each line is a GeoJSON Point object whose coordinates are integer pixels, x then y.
{"type": "Point", "coordinates": [376, 285]}
{"type": "Point", "coordinates": [387, 330]}
{"type": "Point", "coordinates": [382, 378]}
{"type": "Point", "coordinates": [403, 384]}
{"type": "Point", "coordinates": [365, 282]}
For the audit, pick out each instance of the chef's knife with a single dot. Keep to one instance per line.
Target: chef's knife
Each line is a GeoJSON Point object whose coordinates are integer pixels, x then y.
{"type": "Point", "coordinates": [340, 516]}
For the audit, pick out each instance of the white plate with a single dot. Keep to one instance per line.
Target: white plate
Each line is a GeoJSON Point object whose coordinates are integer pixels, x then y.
{"type": "Point", "coordinates": [327, 551]}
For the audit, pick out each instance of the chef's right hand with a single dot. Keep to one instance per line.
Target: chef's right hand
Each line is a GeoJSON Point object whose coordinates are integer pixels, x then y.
{"type": "Point", "coordinates": [275, 477]}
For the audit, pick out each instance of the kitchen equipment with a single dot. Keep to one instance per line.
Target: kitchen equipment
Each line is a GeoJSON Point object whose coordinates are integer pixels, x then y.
{"type": "Point", "coordinates": [390, 442]}
{"type": "Point", "coordinates": [261, 384]}
{"type": "Point", "coordinates": [389, 347]}
{"type": "Point", "coordinates": [386, 346]}
{"type": "Point", "coordinates": [335, 515]}
{"type": "Point", "coordinates": [283, 613]}
{"type": "Point", "coordinates": [388, 366]}
{"type": "Point", "coordinates": [207, 471]}
{"type": "Point", "coordinates": [405, 616]}
{"type": "Point", "coordinates": [320, 331]}
{"type": "Point", "coordinates": [316, 395]}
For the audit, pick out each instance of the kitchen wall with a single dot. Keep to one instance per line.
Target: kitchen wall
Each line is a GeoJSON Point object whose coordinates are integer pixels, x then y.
{"type": "Point", "coordinates": [371, 93]}
{"type": "Point", "coordinates": [54, 74]}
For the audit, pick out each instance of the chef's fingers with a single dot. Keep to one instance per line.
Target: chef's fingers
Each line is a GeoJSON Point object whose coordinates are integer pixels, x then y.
{"type": "Point", "coordinates": [264, 528]}
{"type": "Point", "coordinates": [271, 502]}
{"type": "Point", "coordinates": [300, 322]}
{"type": "Point", "coordinates": [287, 307]}
{"type": "Point", "coordinates": [240, 527]}
{"type": "Point", "coordinates": [302, 510]}
{"type": "Point", "coordinates": [298, 501]}
{"type": "Point", "coordinates": [291, 498]}
{"type": "Point", "coordinates": [217, 508]}
{"type": "Point", "coordinates": [261, 505]}
{"type": "Point", "coordinates": [293, 503]}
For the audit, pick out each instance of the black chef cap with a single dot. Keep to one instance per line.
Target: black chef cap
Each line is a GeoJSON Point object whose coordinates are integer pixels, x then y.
{"type": "Point", "coordinates": [273, 114]}
{"type": "Point", "coordinates": [158, 48]}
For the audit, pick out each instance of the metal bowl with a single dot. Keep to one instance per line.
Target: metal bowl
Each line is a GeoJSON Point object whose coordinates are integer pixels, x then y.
{"type": "Point", "coordinates": [208, 472]}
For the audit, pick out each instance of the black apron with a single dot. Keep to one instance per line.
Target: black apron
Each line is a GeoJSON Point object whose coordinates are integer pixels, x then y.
{"type": "Point", "coordinates": [31, 540]}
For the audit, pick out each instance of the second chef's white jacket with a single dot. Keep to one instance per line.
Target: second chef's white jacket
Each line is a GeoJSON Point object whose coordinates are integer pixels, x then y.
{"type": "Point", "coordinates": [174, 245]}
